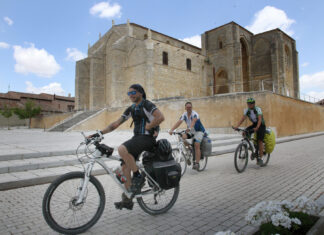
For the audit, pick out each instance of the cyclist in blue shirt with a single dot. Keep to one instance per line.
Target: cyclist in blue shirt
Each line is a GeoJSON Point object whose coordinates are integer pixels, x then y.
{"type": "Point", "coordinates": [195, 129]}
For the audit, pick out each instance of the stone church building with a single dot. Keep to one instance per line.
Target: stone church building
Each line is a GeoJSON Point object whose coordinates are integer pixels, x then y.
{"type": "Point", "coordinates": [231, 59]}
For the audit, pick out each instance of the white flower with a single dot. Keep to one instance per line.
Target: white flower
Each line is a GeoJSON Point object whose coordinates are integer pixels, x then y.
{"type": "Point", "coordinates": [225, 233]}
{"type": "Point", "coordinates": [305, 205]}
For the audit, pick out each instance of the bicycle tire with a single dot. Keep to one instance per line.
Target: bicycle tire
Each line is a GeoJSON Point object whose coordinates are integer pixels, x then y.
{"type": "Point", "coordinates": [267, 159]}
{"type": "Point", "coordinates": [203, 163]}
{"type": "Point", "coordinates": [237, 158]}
{"type": "Point", "coordinates": [46, 206]}
{"type": "Point", "coordinates": [179, 158]}
{"type": "Point", "coordinates": [146, 207]}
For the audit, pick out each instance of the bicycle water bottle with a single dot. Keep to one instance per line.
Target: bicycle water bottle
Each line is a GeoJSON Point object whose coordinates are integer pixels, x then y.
{"type": "Point", "coordinates": [119, 175]}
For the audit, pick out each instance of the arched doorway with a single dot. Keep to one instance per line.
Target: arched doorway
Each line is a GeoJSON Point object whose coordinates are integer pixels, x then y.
{"type": "Point", "coordinates": [220, 82]}
{"type": "Point", "coordinates": [245, 66]}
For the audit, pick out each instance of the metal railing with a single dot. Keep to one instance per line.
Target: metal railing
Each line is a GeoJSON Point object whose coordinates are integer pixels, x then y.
{"type": "Point", "coordinates": [261, 85]}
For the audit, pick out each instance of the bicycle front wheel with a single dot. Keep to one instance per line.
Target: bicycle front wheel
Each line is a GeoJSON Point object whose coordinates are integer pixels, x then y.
{"type": "Point", "coordinates": [61, 210]}
{"type": "Point", "coordinates": [159, 202]}
{"type": "Point", "coordinates": [180, 158]}
{"type": "Point", "coordinates": [241, 157]}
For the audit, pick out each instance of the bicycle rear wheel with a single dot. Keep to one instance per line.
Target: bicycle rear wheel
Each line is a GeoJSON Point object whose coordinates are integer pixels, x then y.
{"type": "Point", "coordinates": [179, 158]}
{"type": "Point", "coordinates": [159, 202]}
{"type": "Point", "coordinates": [60, 209]}
{"type": "Point", "coordinates": [202, 163]}
{"type": "Point", "coordinates": [265, 159]}
{"type": "Point", "coordinates": [241, 157]}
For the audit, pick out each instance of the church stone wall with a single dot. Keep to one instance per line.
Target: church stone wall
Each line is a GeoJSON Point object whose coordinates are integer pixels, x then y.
{"type": "Point", "coordinates": [82, 84]}
{"type": "Point", "coordinates": [285, 114]}
{"type": "Point", "coordinates": [231, 60]}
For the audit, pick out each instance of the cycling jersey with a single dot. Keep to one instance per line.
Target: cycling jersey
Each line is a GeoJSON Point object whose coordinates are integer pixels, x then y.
{"type": "Point", "coordinates": [141, 114]}
{"type": "Point", "coordinates": [253, 114]}
{"type": "Point", "coordinates": [198, 125]}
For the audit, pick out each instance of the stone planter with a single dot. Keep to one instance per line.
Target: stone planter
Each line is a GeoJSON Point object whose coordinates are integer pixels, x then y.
{"type": "Point", "coordinates": [318, 227]}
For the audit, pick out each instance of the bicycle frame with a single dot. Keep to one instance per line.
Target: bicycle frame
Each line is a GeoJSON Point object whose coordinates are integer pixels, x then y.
{"type": "Point", "coordinates": [247, 140]}
{"type": "Point", "coordinates": [181, 146]}
{"type": "Point", "coordinates": [95, 157]}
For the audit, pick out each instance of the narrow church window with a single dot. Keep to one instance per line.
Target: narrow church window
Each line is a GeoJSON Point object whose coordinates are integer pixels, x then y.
{"type": "Point", "coordinates": [189, 64]}
{"type": "Point", "coordinates": [145, 36]}
{"type": "Point", "coordinates": [165, 58]}
{"type": "Point", "coordinates": [220, 44]}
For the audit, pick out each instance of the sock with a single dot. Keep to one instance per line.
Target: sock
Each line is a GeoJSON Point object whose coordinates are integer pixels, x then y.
{"type": "Point", "coordinates": [137, 174]}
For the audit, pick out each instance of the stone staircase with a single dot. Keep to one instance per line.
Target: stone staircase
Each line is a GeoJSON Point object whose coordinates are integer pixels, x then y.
{"type": "Point", "coordinates": [33, 169]}
{"type": "Point", "coordinates": [72, 121]}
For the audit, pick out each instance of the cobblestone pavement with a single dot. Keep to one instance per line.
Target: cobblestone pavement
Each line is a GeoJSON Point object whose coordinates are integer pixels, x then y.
{"type": "Point", "coordinates": [210, 201]}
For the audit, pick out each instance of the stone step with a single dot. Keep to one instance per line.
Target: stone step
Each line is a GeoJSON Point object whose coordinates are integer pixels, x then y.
{"type": "Point", "coordinates": [43, 176]}
{"type": "Point", "coordinates": [46, 161]}
{"type": "Point", "coordinates": [217, 141]}
{"type": "Point", "coordinates": [72, 121]}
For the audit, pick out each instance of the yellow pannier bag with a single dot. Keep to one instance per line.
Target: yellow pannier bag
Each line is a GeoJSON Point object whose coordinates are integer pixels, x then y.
{"type": "Point", "coordinates": [269, 140]}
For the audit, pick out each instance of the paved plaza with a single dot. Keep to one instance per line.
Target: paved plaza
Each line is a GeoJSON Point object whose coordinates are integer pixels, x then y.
{"type": "Point", "coordinates": [214, 200]}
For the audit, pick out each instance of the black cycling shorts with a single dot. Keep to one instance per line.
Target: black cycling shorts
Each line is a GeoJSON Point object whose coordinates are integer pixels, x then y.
{"type": "Point", "coordinates": [260, 132]}
{"type": "Point", "coordinates": [139, 143]}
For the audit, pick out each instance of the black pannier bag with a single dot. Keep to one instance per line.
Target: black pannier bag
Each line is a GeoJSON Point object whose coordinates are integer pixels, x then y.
{"type": "Point", "coordinates": [167, 173]}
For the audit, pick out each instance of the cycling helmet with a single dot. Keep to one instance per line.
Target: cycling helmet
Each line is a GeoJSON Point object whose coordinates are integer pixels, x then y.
{"type": "Point", "coordinates": [163, 147]}
{"type": "Point", "coordinates": [250, 100]}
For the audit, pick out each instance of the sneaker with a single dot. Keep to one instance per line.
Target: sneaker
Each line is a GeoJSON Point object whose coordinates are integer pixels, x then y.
{"type": "Point", "coordinates": [195, 166]}
{"type": "Point", "coordinates": [124, 203]}
{"type": "Point", "coordinates": [137, 183]}
{"type": "Point", "coordinates": [259, 161]}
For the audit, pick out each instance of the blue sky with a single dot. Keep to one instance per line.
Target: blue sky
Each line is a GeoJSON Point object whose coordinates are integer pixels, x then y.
{"type": "Point", "coordinates": [41, 40]}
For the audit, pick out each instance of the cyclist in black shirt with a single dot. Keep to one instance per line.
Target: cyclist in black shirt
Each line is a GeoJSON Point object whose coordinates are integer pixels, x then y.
{"type": "Point", "coordinates": [147, 118]}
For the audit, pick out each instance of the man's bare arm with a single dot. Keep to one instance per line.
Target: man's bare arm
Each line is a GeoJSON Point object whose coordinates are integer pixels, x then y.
{"type": "Point", "coordinates": [114, 125]}
{"type": "Point", "coordinates": [158, 118]}
{"type": "Point", "coordinates": [241, 121]}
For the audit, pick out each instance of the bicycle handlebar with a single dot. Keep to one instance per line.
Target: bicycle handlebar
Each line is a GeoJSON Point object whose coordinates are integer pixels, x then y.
{"type": "Point", "coordinates": [239, 129]}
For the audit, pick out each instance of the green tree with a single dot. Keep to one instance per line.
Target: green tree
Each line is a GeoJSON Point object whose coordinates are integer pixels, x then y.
{"type": "Point", "coordinates": [7, 113]}
{"type": "Point", "coordinates": [28, 112]}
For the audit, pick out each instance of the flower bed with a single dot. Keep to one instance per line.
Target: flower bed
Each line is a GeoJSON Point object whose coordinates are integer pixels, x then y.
{"type": "Point", "coordinates": [285, 217]}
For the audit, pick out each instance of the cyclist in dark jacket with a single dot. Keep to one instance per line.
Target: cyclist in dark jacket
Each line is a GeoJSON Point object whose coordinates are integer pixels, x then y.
{"type": "Point", "coordinates": [147, 118]}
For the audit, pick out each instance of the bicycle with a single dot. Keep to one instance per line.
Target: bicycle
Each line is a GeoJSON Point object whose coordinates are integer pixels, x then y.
{"type": "Point", "coordinates": [75, 201]}
{"type": "Point", "coordinates": [241, 155]}
{"type": "Point", "coordinates": [185, 154]}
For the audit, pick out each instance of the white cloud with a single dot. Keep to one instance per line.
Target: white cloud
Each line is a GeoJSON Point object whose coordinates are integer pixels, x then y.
{"type": "Point", "coordinates": [52, 88]}
{"type": "Point", "coordinates": [271, 18]}
{"type": "Point", "coordinates": [37, 61]}
{"type": "Point", "coordinates": [74, 54]}
{"type": "Point", "coordinates": [313, 84]}
{"type": "Point", "coordinates": [106, 10]}
{"type": "Point", "coordinates": [305, 64]}
{"type": "Point", "coordinates": [4, 45]}
{"type": "Point", "coordinates": [8, 20]}
{"type": "Point", "coordinates": [194, 40]}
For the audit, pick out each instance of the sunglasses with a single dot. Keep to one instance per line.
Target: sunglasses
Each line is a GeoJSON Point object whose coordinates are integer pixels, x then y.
{"type": "Point", "coordinates": [131, 93]}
